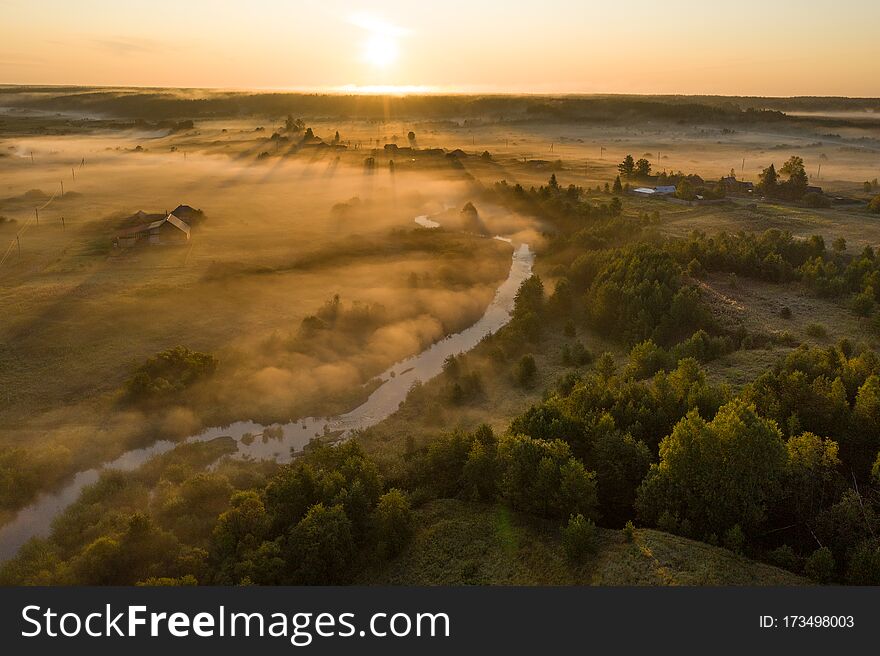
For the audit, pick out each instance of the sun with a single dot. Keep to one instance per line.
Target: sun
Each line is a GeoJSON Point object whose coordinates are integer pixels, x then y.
{"type": "Point", "coordinates": [380, 50]}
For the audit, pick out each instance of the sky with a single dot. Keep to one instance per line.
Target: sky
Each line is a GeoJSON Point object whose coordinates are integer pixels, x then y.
{"type": "Point", "coordinates": [746, 47]}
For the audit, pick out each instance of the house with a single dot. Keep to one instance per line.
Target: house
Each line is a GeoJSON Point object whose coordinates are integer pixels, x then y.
{"type": "Point", "coordinates": [732, 185]}
{"type": "Point", "coordinates": [665, 190]}
{"type": "Point", "coordinates": [644, 191]}
{"type": "Point", "coordinates": [188, 215]}
{"type": "Point", "coordinates": [169, 230]}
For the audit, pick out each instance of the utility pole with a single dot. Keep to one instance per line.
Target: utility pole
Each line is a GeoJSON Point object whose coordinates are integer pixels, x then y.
{"type": "Point", "coordinates": [37, 214]}
{"type": "Point", "coordinates": [18, 240]}
{"type": "Point", "coordinates": [62, 188]}
{"type": "Point", "coordinates": [601, 152]}
{"type": "Point", "coordinates": [819, 172]}
{"type": "Point", "coordinates": [63, 227]}
{"type": "Point", "coordinates": [73, 173]}
{"type": "Point", "coordinates": [32, 157]}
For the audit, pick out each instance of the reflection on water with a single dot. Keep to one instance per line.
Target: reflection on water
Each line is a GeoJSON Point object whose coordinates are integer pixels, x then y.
{"type": "Point", "coordinates": [281, 443]}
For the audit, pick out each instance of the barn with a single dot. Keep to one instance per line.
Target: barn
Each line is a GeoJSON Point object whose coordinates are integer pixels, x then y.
{"type": "Point", "coordinates": [162, 232]}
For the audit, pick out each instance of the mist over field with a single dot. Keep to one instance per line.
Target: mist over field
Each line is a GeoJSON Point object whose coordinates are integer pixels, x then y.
{"type": "Point", "coordinates": [185, 274]}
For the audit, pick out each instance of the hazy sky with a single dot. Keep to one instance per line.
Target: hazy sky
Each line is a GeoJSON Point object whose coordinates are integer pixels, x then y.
{"type": "Point", "coordinates": [761, 47]}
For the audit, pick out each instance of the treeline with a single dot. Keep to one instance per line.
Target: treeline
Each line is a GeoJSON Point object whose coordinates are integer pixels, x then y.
{"type": "Point", "coordinates": [777, 256]}
{"type": "Point", "coordinates": [187, 104]}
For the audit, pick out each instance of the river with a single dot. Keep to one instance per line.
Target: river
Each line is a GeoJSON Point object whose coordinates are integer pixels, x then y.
{"type": "Point", "coordinates": [282, 442]}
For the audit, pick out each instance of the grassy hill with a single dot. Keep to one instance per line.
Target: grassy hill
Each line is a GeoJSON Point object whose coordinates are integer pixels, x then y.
{"type": "Point", "coordinates": [467, 543]}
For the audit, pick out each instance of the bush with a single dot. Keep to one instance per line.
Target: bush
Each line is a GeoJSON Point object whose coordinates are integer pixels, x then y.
{"type": "Point", "coordinates": [816, 200]}
{"type": "Point", "coordinates": [820, 565]}
{"type": "Point", "coordinates": [579, 537]}
{"type": "Point", "coordinates": [526, 371]}
{"type": "Point", "coordinates": [734, 539]}
{"type": "Point", "coordinates": [874, 205]}
{"type": "Point", "coordinates": [629, 531]}
{"type": "Point", "coordinates": [784, 557]}
{"type": "Point", "coordinates": [169, 373]}
{"type": "Point", "coordinates": [817, 331]}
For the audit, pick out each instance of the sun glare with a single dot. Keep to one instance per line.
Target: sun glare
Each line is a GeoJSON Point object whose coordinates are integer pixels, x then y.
{"type": "Point", "coordinates": [380, 50]}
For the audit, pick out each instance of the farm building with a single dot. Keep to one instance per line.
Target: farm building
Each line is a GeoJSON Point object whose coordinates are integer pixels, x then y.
{"type": "Point", "coordinates": [166, 231]}
{"type": "Point", "coordinates": [663, 190]}
{"type": "Point", "coordinates": [732, 185]}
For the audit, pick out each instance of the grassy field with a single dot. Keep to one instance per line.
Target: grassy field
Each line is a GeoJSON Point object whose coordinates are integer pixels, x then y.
{"type": "Point", "coordinates": [458, 543]}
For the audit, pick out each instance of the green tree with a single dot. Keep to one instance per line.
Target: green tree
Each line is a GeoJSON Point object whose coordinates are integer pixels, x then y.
{"type": "Point", "coordinates": [820, 565]}
{"type": "Point", "coordinates": [812, 481]}
{"type": "Point", "coordinates": [643, 168]}
{"type": "Point", "coordinates": [615, 207]}
{"type": "Point", "coordinates": [627, 166]}
{"type": "Point", "coordinates": [617, 187]}
{"type": "Point", "coordinates": [320, 549]}
{"type": "Point", "coordinates": [685, 190]}
{"type": "Point", "coordinates": [393, 521]}
{"type": "Point", "coordinates": [768, 181]}
{"type": "Point", "coordinates": [716, 474]}
{"type": "Point", "coordinates": [541, 477]}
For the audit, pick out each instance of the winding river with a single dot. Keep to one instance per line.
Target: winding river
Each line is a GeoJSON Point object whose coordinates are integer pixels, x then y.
{"type": "Point", "coordinates": [281, 443]}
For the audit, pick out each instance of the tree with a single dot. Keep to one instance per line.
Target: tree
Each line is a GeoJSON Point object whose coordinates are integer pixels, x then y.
{"type": "Point", "coordinates": [541, 477]}
{"type": "Point", "coordinates": [615, 207]}
{"type": "Point", "coordinates": [627, 166]}
{"type": "Point", "coordinates": [553, 184]}
{"type": "Point", "coordinates": [393, 522]}
{"type": "Point", "coordinates": [716, 474]}
{"type": "Point", "coordinates": [336, 137]}
{"type": "Point", "coordinates": [797, 182]}
{"type": "Point", "coordinates": [768, 181]}
{"type": "Point", "coordinates": [643, 168]}
{"type": "Point", "coordinates": [621, 463]}
{"type": "Point", "coordinates": [811, 480]}
{"type": "Point", "coordinates": [294, 124]}
{"type": "Point", "coordinates": [320, 549]}
{"type": "Point", "coordinates": [874, 205]}
{"type": "Point", "coordinates": [820, 565]}
{"type": "Point", "coordinates": [617, 188]}
{"type": "Point", "coordinates": [685, 191]}
{"type": "Point", "coordinates": [411, 137]}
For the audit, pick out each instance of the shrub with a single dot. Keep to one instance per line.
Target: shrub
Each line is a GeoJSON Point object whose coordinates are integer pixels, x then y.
{"type": "Point", "coordinates": [874, 205]}
{"type": "Point", "coordinates": [817, 331]}
{"type": "Point", "coordinates": [820, 565]}
{"type": "Point", "coordinates": [579, 537]}
{"type": "Point", "coordinates": [784, 557]}
{"type": "Point", "coordinates": [734, 539]}
{"type": "Point", "coordinates": [168, 373]}
{"type": "Point", "coordinates": [629, 531]}
{"type": "Point", "coordinates": [526, 371]}
{"type": "Point", "coordinates": [816, 200]}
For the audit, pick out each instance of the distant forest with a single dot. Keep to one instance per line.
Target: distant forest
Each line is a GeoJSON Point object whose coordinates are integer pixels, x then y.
{"type": "Point", "coordinates": [164, 104]}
